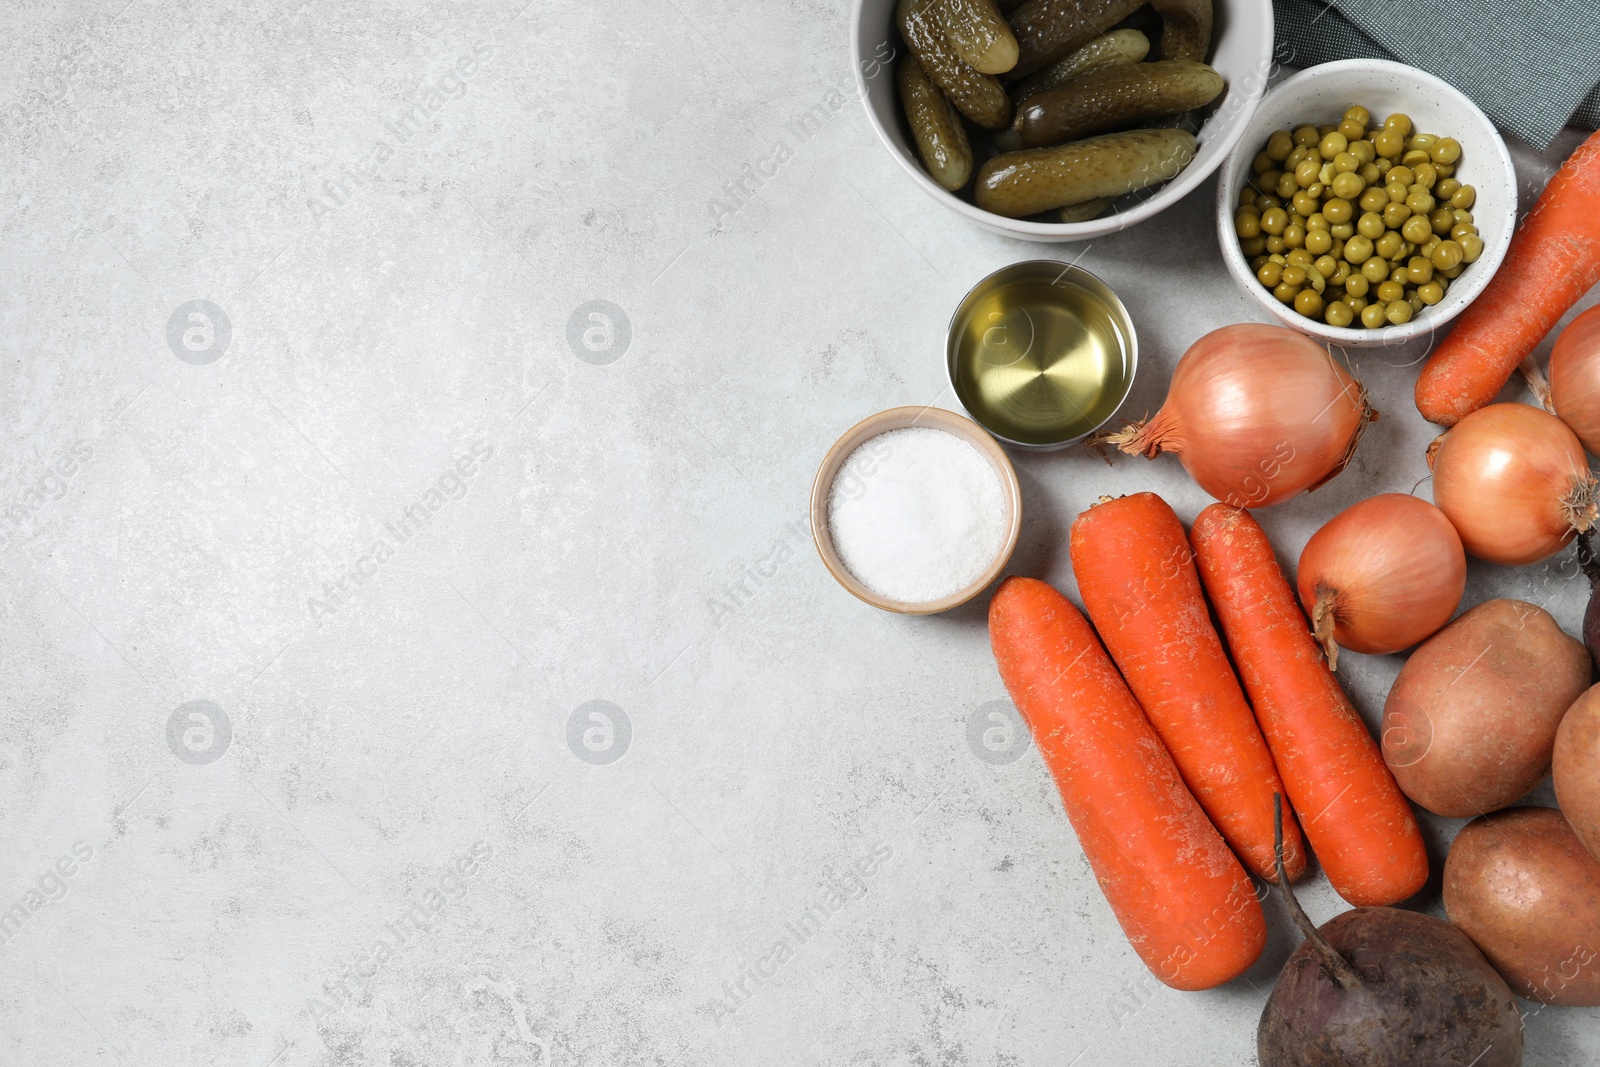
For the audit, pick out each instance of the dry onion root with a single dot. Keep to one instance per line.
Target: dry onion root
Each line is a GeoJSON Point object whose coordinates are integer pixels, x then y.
{"type": "Point", "coordinates": [1256, 414]}
{"type": "Point", "coordinates": [1382, 575]}
{"type": "Point", "coordinates": [1515, 483]}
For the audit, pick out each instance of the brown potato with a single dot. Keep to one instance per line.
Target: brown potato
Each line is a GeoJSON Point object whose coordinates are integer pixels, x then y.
{"type": "Point", "coordinates": [1471, 721]}
{"type": "Point", "coordinates": [1523, 887]}
{"type": "Point", "coordinates": [1576, 768]}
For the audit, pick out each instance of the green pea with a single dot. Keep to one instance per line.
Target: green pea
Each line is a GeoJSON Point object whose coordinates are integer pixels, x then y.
{"type": "Point", "coordinates": [1471, 247]}
{"type": "Point", "coordinates": [1375, 270]}
{"type": "Point", "coordinates": [1402, 175]}
{"type": "Point", "coordinates": [1316, 221]}
{"type": "Point", "coordinates": [1414, 157]}
{"type": "Point", "coordinates": [1441, 220]}
{"type": "Point", "coordinates": [1389, 144]}
{"type": "Point", "coordinates": [1357, 304]}
{"type": "Point", "coordinates": [1357, 113]}
{"type": "Point", "coordinates": [1253, 246]}
{"type": "Point", "coordinates": [1306, 204]}
{"type": "Point", "coordinates": [1275, 244]}
{"type": "Point", "coordinates": [1247, 224]}
{"type": "Point", "coordinates": [1308, 303]}
{"type": "Point", "coordinates": [1287, 186]}
{"type": "Point", "coordinates": [1447, 254]}
{"type": "Point", "coordinates": [1338, 314]}
{"type": "Point", "coordinates": [1374, 198]}
{"type": "Point", "coordinates": [1464, 197]}
{"type": "Point", "coordinates": [1285, 292]}
{"type": "Point", "coordinates": [1273, 220]}
{"type": "Point", "coordinates": [1446, 188]}
{"type": "Point", "coordinates": [1395, 215]}
{"type": "Point", "coordinates": [1369, 172]}
{"type": "Point", "coordinates": [1430, 293]}
{"type": "Point", "coordinates": [1372, 316]}
{"type": "Point", "coordinates": [1294, 275]}
{"type": "Point", "coordinates": [1318, 242]}
{"type": "Point", "coordinates": [1346, 163]}
{"type": "Point", "coordinates": [1337, 210]}
{"type": "Point", "coordinates": [1342, 231]}
{"type": "Point", "coordinates": [1279, 145]}
{"type": "Point", "coordinates": [1326, 266]}
{"type": "Point", "coordinates": [1358, 250]}
{"type": "Point", "coordinates": [1334, 143]}
{"type": "Point", "coordinates": [1363, 151]}
{"type": "Point", "coordinates": [1293, 159]}
{"type": "Point", "coordinates": [1262, 163]}
{"type": "Point", "coordinates": [1306, 136]}
{"type": "Point", "coordinates": [1266, 200]}
{"type": "Point", "coordinates": [1419, 270]}
{"type": "Point", "coordinates": [1399, 122]}
{"type": "Point", "coordinates": [1445, 150]}
{"type": "Point", "coordinates": [1420, 201]}
{"type": "Point", "coordinates": [1369, 225]}
{"type": "Point", "coordinates": [1356, 285]}
{"type": "Point", "coordinates": [1348, 186]}
{"type": "Point", "coordinates": [1270, 274]}
{"type": "Point", "coordinates": [1294, 235]}
{"type": "Point", "coordinates": [1399, 311]}
{"type": "Point", "coordinates": [1416, 229]}
{"type": "Point", "coordinates": [1462, 229]}
{"type": "Point", "coordinates": [1299, 257]}
{"type": "Point", "coordinates": [1396, 192]}
{"type": "Point", "coordinates": [1390, 291]}
{"type": "Point", "coordinates": [1425, 176]}
{"type": "Point", "coordinates": [1306, 172]}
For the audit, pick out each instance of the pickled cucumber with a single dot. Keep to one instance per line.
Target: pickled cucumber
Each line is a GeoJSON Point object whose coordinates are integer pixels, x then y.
{"type": "Point", "coordinates": [1185, 28]}
{"type": "Point", "coordinates": [978, 96]}
{"type": "Point", "coordinates": [1114, 96]}
{"type": "Point", "coordinates": [1118, 46]}
{"type": "Point", "coordinates": [1019, 184]}
{"type": "Point", "coordinates": [979, 34]}
{"type": "Point", "coordinates": [1089, 209]}
{"type": "Point", "coordinates": [936, 125]}
{"type": "Point", "coordinates": [1046, 30]}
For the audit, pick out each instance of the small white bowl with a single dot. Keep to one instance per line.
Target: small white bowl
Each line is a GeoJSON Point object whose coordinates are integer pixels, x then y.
{"type": "Point", "coordinates": [1321, 94]}
{"type": "Point", "coordinates": [1241, 51]}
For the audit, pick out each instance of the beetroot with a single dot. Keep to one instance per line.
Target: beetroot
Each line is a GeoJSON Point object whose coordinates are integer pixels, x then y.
{"type": "Point", "coordinates": [1382, 987]}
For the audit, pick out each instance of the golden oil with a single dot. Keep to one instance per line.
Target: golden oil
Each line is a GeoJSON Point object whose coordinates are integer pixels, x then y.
{"type": "Point", "coordinates": [1041, 353]}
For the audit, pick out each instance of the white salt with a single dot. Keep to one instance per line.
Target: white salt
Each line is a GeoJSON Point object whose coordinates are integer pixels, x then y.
{"type": "Point", "coordinates": [917, 514]}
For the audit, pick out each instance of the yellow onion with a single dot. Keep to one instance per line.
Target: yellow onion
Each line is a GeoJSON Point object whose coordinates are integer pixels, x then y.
{"type": "Point", "coordinates": [1256, 414]}
{"type": "Point", "coordinates": [1381, 575]}
{"type": "Point", "coordinates": [1515, 483]}
{"type": "Point", "coordinates": [1575, 378]}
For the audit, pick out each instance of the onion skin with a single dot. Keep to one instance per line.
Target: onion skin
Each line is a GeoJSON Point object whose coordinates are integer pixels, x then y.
{"type": "Point", "coordinates": [1381, 575]}
{"type": "Point", "coordinates": [1575, 378]}
{"type": "Point", "coordinates": [1515, 482]}
{"type": "Point", "coordinates": [1256, 414]}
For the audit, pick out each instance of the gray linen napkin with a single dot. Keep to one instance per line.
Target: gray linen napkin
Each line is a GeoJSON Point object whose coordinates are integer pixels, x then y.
{"type": "Point", "coordinates": [1532, 65]}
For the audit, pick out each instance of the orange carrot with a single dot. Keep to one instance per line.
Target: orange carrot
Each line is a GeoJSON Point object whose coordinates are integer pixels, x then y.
{"type": "Point", "coordinates": [1182, 898]}
{"type": "Point", "coordinates": [1360, 825]}
{"type": "Point", "coordinates": [1553, 260]}
{"type": "Point", "coordinates": [1138, 582]}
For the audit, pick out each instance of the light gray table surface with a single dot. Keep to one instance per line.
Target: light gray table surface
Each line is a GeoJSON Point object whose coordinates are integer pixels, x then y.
{"type": "Point", "coordinates": [399, 512]}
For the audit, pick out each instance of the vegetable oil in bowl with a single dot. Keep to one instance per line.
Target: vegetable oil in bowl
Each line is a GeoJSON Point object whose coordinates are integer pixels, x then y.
{"type": "Point", "coordinates": [1041, 354]}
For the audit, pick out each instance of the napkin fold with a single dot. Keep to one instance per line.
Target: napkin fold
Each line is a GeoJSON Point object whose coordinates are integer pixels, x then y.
{"type": "Point", "coordinates": [1532, 65]}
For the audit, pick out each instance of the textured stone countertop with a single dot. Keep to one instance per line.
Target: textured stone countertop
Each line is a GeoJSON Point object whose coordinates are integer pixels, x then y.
{"type": "Point", "coordinates": [399, 665]}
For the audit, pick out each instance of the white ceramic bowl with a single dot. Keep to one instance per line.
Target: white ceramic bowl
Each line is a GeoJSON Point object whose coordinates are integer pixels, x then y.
{"type": "Point", "coordinates": [1321, 94]}
{"type": "Point", "coordinates": [1241, 51]}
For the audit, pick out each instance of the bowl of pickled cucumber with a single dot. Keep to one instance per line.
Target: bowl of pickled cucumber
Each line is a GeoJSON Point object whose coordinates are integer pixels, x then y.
{"type": "Point", "coordinates": [1060, 120]}
{"type": "Point", "coordinates": [1367, 203]}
